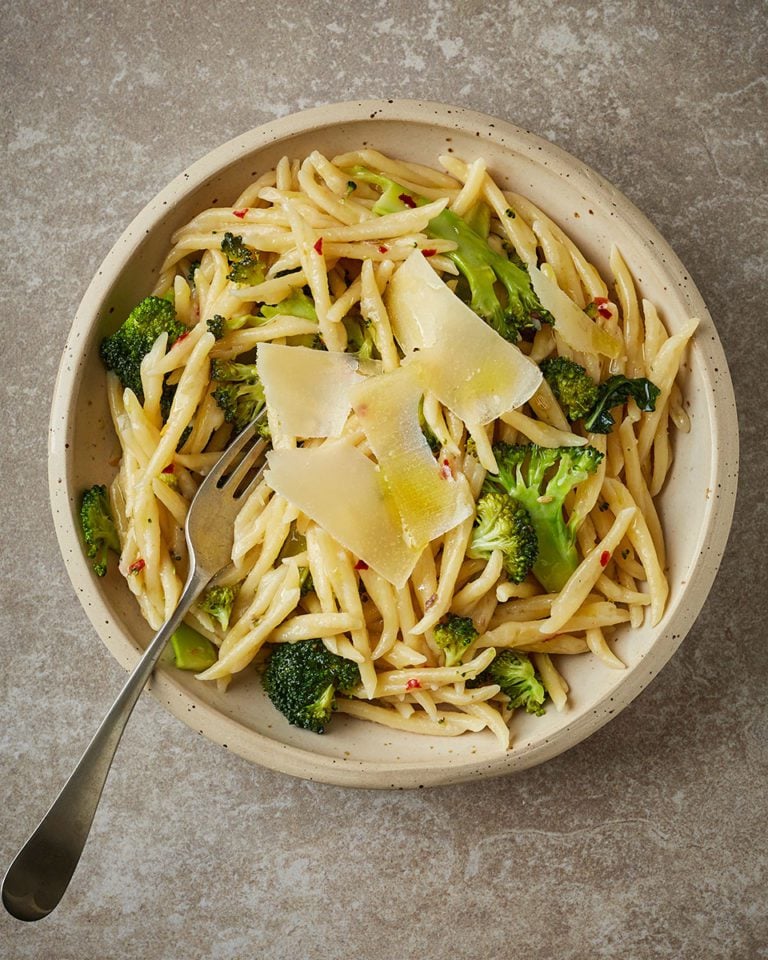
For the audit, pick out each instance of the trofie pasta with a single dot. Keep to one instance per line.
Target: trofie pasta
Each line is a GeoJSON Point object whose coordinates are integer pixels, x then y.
{"type": "Point", "coordinates": [468, 429]}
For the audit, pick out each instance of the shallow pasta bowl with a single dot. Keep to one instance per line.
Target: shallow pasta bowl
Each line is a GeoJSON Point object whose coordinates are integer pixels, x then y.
{"type": "Point", "coordinates": [696, 505]}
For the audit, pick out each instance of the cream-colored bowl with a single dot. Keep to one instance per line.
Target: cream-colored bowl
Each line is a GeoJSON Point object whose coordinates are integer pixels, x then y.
{"type": "Point", "coordinates": [696, 505]}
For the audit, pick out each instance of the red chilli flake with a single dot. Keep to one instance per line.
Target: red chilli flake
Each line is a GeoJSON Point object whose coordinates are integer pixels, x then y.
{"type": "Point", "coordinates": [407, 200]}
{"type": "Point", "coordinates": [413, 684]}
{"type": "Point", "coordinates": [429, 253]}
{"type": "Point", "coordinates": [182, 337]}
{"type": "Point", "coordinates": [137, 566]}
{"type": "Point", "coordinates": [383, 249]}
{"type": "Point", "coordinates": [168, 469]}
{"type": "Point", "coordinates": [240, 213]}
{"type": "Point", "coordinates": [319, 245]}
{"type": "Point", "coordinates": [445, 470]}
{"type": "Point", "coordinates": [605, 556]}
{"type": "Point", "coordinates": [602, 309]}
{"type": "Point", "coordinates": [361, 565]}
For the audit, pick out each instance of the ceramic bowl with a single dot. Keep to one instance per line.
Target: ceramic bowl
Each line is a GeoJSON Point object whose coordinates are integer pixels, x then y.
{"type": "Point", "coordinates": [696, 505]}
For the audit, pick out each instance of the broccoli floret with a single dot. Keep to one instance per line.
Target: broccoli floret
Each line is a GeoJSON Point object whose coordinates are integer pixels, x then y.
{"type": "Point", "coordinates": [517, 677]}
{"type": "Point", "coordinates": [360, 339]}
{"type": "Point", "coordinates": [502, 524]}
{"type": "Point", "coordinates": [245, 266]}
{"type": "Point", "coordinates": [124, 350]}
{"type": "Point", "coordinates": [249, 273]}
{"type": "Point", "coordinates": [615, 391]}
{"type": "Point", "coordinates": [219, 325]}
{"type": "Point", "coordinates": [191, 650]}
{"type": "Point", "coordinates": [302, 679]}
{"type": "Point", "coordinates": [453, 635]}
{"type": "Point", "coordinates": [218, 603]}
{"type": "Point", "coordinates": [239, 393]}
{"type": "Point", "coordinates": [540, 478]}
{"type": "Point", "coordinates": [192, 272]}
{"type": "Point", "coordinates": [98, 527]}
{"type": "Point", "coordinates": [216, 324]}
{"type": "Point", "coordinates": [480, 265]}
{"type": "Point", "coordinates": [575, 390]}
{"type": "Point", "coordinates": [297, 305]}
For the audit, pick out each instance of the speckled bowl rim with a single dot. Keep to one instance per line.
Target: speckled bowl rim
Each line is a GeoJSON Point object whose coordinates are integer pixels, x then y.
{"type": "Point", "coordinates": [243, 740]}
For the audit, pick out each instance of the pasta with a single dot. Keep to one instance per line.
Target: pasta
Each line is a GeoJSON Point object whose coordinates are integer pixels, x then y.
{"type": "Point", "coordinates": [315, 231]}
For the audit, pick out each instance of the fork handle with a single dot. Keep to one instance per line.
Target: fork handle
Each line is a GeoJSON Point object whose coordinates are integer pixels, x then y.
{"type": "Point", "coordinates": [41, 871]}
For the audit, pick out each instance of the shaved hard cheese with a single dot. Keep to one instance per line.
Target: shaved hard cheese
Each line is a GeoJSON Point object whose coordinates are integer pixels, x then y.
{"type": "Point", "coordinates": [573, 325]}
{"type": "Point", "coordinates": [307, 391]}
{"type": "Point", "coordinates": [463, 362]}
{"type": "Point", "coordinates": [343, 491]}
{"type": "Point", "coordinates": [429, 499]}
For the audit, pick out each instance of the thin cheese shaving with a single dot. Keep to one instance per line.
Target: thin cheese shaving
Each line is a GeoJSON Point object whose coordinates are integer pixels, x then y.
{"type": "Point", "coordinates": [573, 325]}
{"type": "Point", "coordinates": [429, 499]}
{"type": "Point", "coordinates": [471, 369]}
{"type": "Point", "coordinates": [343, 491]}
{"type": "Point", "coordinates": [307, 391]}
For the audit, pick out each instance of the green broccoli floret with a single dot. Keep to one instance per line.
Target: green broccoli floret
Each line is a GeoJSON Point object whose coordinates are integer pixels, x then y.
{"type": "Point", "coordinates": [191, 650]}
{"type": "Point", "coordinates": [481, 266]}
{"type": "Point", "coordinates": [517, 677]}
{"type": "Point", "coordinates": [217, 325]}
{"type": "Point", "coordinates": [217, 602]}
{"type": "Point", "coordinates": [245, 266]}
{"type": "Point", "coordinates": [124, 350]}
{"type": "Point", "coordinates": [615, 391]}
{"type": "Point", "coordinates": [239, 392]}
{"type": "Point", "coordinates": [573, 387]}
{"type": "Point", "coordinates": [453, 635]}
{"type": "Point", "coordinates": [299, 304]}
{"type": "Point", "coordinates": [192, 272]}
{"type": "Point", "coordinates": [540, 478]}
{"type": "Point", "coordinates": [502, 524]}
{"type": "Point", "coordinates": [302, 679]}
{"type": "Point", "coordinates": [360, 339]}
{"type": "Point", "coordinates": [98, 527]}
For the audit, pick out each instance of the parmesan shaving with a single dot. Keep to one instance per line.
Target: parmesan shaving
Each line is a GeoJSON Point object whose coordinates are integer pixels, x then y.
{"type": "Point", "coordinates": [429, 499]}
{"type": "Point", "coordinates": [343, 491]}
{"type": "Point", "coordinates": [573, 325]}
{"type": "Point", "coordinates": [471, 369]}
{"type": "Point", "coordinates": [307, 391]}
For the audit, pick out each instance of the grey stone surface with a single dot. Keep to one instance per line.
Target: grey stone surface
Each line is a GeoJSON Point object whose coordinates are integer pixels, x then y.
{"type": "Point", "coordinates": [649, 839]}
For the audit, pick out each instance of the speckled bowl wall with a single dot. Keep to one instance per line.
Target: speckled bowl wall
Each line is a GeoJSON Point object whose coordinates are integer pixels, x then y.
{"type": "Point", "coordinates": [696, 505]}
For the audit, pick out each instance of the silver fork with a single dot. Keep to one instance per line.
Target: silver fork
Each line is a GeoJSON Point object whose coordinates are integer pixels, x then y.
{"type": "Point", "coordinates": [41, 871]}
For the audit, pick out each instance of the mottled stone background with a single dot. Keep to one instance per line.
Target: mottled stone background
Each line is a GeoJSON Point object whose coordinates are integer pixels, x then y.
{"type": "Point", "coordinates": [649, 839]}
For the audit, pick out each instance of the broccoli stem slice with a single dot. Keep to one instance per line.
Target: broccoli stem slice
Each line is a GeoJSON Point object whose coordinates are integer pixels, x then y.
{"type": "Point", "coordinates": [191, 650]}
{"type": "Point", "coordinates": [557, 558]}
